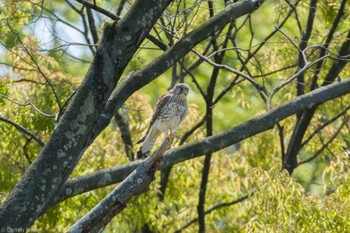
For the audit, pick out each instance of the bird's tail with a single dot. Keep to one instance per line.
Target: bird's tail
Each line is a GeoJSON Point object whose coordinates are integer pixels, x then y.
{"type": "Point", "coordinates": [141, 139]}
{"type": "Point", "coordinates": [148, 142]}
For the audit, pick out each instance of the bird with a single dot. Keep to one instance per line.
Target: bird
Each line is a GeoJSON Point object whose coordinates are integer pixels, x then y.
{"type": "Point", "coordinates": [169, 112]}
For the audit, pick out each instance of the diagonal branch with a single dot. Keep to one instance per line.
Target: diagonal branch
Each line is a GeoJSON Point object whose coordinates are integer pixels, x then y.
{"type": "Point", "coordinates": [291, 79]}
{"type": "Point", "coordinates": [211, 144]}
{"type": "Point", "coordinates": [317, 153]}
{"type": "Point", "coordinates": [75, 131]}
{"type": "Point", "coordinates": [325, 124]}
{"type": "Point", "coordinates": [27, 104]}
{"type": "Point", "coordinates": [239, 73]}
{"type": "Point", "coordinates": [99, 9]}
{"type": "Point", "coordinates": [23, 130]}
{"type": "Point", "coordinates": [136, 183]}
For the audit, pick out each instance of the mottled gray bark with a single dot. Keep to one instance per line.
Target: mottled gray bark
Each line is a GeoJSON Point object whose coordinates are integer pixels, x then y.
{"type": "Point", "coordinates": [76, 130]}
{"type": "Point", "coordinates": [138, 79]}
{"type": "Point", "coordinates": [93, 106]}
{"type": "Point", "coordinates": [136, 183]}
{"type": "Point", "coordinates": [141, 78]}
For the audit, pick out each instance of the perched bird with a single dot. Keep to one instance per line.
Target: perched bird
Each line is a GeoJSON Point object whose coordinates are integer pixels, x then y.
{"type": "Point", "coordinates": [169, 112]}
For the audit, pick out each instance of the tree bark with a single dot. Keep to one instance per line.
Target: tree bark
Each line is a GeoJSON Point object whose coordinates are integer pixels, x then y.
{"type": "Point", "coordinates": [136, 183]}
{"type": "Point", "coordinates": [76, 130]}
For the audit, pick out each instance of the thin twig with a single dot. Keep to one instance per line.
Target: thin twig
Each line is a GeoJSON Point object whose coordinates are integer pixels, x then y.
{"type": "Point", "coordinates": [99, 9]}
{"type": "Point", "coordinates": [251, 80]}
{"type": "Point", "coordinates": [211, 209]}
{"type": "Point", "coordinates": [27, 104]}
{"type": "Point", "coordinates": [325, 124]}
{"type": "Point", "coordinates": [325, 145]}
{"type": "Point", "coordinates": [281, 85]}
{"type": "Point", "coordinates": [23, 130]}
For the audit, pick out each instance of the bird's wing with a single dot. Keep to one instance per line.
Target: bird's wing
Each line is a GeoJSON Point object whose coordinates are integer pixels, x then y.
{"type": "Point", "coordinates": [183, 115]}
{"type": "Point", "coordinates": [162, 101]}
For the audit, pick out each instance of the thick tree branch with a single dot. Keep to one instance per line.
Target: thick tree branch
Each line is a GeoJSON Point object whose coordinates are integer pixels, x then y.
{"type": "Point", "coordinates": [136, 183]}
{"type": "Point", "coordinates": [75, 132]}
{"type": "Point", "coordinates": [211, 144]}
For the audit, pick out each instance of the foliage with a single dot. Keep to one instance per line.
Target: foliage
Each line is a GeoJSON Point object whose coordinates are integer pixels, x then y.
{"type": "Point", "coordinates": [314, 199]}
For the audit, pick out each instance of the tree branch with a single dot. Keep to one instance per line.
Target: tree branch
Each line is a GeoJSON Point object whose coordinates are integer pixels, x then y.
{"type": "Point", "coordinates": [125, 134]}
{"type": "Point", "coordinates": [23, 130]}
{"type": "Point", "coordinates": [75, 132]}
{"type": "Point", "coordinates": [136, 183]}
{"type": "Point", "coordinates": [290, 160]}
{"type": "Point", "coordinates": [304, 41]}
{"type": "Point", "coordinates": [325, 124]}
{"type": "Point", "coordinates": [92, 25]}
{"type": "Point", "coordinates": [99, 9]}
{"type": "Point", "coordinates": [27, 104]}
{"type": "Point", "coordinates": [317, 153]}
{"type": "Point", "coordinates": [142, 77]}
{"type": "Point", "coordinates": [211, 144]}
{"type": "Point", "coordinates": [327, 42]}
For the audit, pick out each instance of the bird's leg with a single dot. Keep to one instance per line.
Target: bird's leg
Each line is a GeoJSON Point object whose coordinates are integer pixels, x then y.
{"type": "Point", "coordinates": [171, 135]}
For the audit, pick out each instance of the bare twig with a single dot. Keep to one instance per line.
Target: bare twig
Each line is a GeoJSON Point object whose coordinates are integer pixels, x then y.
{"type": "Point", "coordinates": [100, 10]}
{"type": "Point", "coordinates": [341, 113]}
{"type": "Point", "coordinates": [291, 79]}
{"type": "Point", "coordinates": [251, 80]}
{"type": "Point", "coordinates": [317, 153]}
{"type": "Point", "coordinates": [211, 209]}
{"type": "Point", "coordinates": [36, 65]}
{"type": "Point", "coordinates": [27, 104]}
{"type": "Point", "coordinates": [23, 130]}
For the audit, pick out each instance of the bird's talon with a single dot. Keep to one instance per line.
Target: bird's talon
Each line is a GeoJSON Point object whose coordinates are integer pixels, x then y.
{"type": "Point", "coordinates": [141, 155]}
{"type": "Point", "coordinates": [171, 137]}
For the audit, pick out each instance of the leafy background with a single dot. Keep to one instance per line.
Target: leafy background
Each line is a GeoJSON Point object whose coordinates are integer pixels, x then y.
{"type": "Point", "coordinates": [314, 199]}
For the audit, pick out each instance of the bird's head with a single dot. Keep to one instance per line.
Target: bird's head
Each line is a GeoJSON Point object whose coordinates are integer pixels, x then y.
{"type": "Point", "coordinates": [181, 88]}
